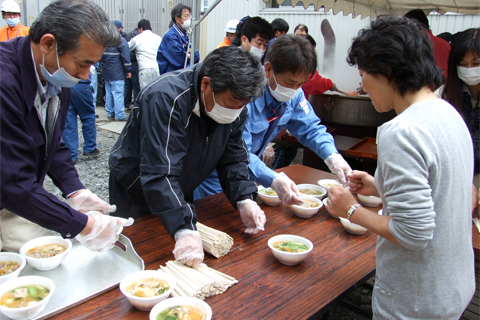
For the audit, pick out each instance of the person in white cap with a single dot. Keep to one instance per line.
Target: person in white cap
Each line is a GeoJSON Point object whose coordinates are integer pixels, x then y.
{"type": "Point", "coordinates": [230, 30]}
{"type": "Point", "coordinates": [11, 13]}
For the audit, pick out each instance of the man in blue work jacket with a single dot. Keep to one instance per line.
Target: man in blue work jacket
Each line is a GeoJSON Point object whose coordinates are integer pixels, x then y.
{"type": "Point", "coordinates": [290, 60]}
{"type": "Point", "coordinates": [174, 50]}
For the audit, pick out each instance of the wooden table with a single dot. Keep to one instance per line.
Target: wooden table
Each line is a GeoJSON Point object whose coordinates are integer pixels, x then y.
{"type": "Point", "coordinates": [266, 288]}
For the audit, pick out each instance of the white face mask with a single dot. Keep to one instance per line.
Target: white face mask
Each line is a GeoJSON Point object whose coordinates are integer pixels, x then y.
{"type": "Point", "coordinates": [186, 24]}
{"type": "Point", "coordinates": [471, 76]}
{"type": "Point", "coordinates": [282, 93]}
{"type": "Point", "coordinates": [221, 114]}
{"type": "Point", "coordinates": [256, 52]}
{"type": "Point", "coordinates": [59, 78]}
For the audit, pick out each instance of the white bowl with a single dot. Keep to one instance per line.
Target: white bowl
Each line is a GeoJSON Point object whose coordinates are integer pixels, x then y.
{"type": "Point", "coordinates": [271, 201]}
{"type": "Point", "coordinates": [31, 311]}
{"type": "Point", "coordinates": [328, 183]}
{"type": "Point", "coordinates": [369, 201]}
{"type": "Point", "coordinates": [44, 264]}
{"type": "Point", "coordinates": [146, 304]}
{"type": "Point", "coordinates": [290, 258]}
{"type": "Point", "coordinates": [181, 301]}
{"type": "Point", "coordinates": [11, 256]}
{"type": "Point", "coordinates": [352, 227]}
{"type": "Point", "coordinates": [304, 186]}
{"type": "Point", "coordinates": [306, 213]}
{"type": "Point", "coordinates": [325, 204]}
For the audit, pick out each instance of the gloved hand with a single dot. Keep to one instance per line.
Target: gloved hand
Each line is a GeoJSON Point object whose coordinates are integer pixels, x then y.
{"type": "Point", "coordinates": [105, 231]}
{"type": "Point", "coordinates": [252, 216]}
{"type": "Point", "coordinates": [268, 155]}
{"type": "Point", "coordinates": [188, 247]}
{"type": "Point", "coordinates": [88, 201]}
{"type": "Point", "coordinates": [286, 189]}
{"type": "Point", "coordinates": [338, 166]}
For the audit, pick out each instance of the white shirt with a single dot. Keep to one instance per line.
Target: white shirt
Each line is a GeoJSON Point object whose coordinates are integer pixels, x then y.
{"type": "Point", "coordinates": [146, 44]}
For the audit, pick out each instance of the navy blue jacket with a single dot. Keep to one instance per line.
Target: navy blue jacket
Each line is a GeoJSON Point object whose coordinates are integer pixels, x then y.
{"type": "Point", "coordinates": [24, 160]}
{"type": "Point", "coordinates": [173, 50]}
{"type": "Point", "coordinates": [116, 62]}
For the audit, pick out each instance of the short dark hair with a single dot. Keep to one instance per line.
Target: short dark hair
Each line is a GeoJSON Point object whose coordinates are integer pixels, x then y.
{"type": "Point", "coordinates": [144, 24]}
{"type": "Point", "coordinates": [257, 26]}
{"type": "Point", "coordinates": [396, 48]}
{"type": "Point", "coordinates": [419, 16]}
{"type": "Point", "coordinates": [290, 53]}
{"type": "Point", "coordinates": [309, 38]}
{"type": "Point", "coordinates": [301, 27]}
{"type": "Point", "coordinates": [280, 25]}
{"type": "Point", "coordinates": [468, 40]}
{"type": "Point", "coordinates": [67, 20]}
{"type": "Point", "coordinates": [235, 69]}
{"type": "Point", "coordinates": [177, 11]}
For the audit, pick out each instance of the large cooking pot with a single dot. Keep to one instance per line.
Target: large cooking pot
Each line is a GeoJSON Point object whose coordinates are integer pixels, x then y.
{"type": "Point", "coordinates": [346, 110]}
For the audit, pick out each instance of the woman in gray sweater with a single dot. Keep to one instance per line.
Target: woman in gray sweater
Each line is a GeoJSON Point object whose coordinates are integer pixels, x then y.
{"type": "Point", "coordinates": [425, 263]}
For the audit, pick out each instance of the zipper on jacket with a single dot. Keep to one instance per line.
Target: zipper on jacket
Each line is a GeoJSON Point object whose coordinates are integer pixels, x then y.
{"type": "Point", "coordinates": [206, 142]}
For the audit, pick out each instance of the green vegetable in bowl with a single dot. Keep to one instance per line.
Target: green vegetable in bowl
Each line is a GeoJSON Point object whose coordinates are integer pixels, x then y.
{"type": "Point", "coordinates": [268, 192]}
{"type": "Point", "coordinates": [290, 246]}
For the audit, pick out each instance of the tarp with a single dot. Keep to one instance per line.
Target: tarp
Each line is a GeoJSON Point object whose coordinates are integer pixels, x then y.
{"type": "Point", "coordinates": [374, 8]}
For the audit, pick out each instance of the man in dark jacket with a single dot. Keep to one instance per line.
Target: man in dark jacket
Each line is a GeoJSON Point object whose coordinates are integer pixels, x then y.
{"type": "Point", "coordinates": [183, 125]}
{"type": "Point", "coordinates": [132, 84]}
{"type": "Point", "coordinates": [116, 68]}
{"type": "Point", "coordinates": [34, 69]}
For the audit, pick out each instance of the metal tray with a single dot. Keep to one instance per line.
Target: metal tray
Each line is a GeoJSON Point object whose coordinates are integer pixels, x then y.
{"type": "Point", "coordinates": [85, 274]}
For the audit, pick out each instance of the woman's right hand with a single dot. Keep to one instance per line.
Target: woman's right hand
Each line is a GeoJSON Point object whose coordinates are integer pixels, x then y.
{"type": "Point", "coordinates": [362, 183]}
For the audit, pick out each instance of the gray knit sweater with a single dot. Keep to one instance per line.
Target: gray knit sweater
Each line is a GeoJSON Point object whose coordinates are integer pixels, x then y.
{"type": "Point", "coordinates": [424, 177]}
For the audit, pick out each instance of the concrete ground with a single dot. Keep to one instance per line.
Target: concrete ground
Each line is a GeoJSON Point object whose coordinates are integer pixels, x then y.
{"type": "Point", "coordinates": [104, 123]}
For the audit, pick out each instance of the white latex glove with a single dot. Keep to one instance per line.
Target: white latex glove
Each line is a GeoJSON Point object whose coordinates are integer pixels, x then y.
{"type": "Point", "coordinates": [88, 201]}
{"type": "Point", "coordinates": [338, 166]}
{"type": "Point", "coordinates": [286, 189]}
{"type": "Point", "coordinates": [268, 155]}
{"type": "Point", "coordinates": [252, 216]}
{"type": "Point", "coordinates": [188, 247]}
{"type": "Point", "coordinates": [105, 232]}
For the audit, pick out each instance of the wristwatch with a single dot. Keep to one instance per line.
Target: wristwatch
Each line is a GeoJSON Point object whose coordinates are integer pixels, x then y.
{"type": "Point", "coordinates": [351, 211]}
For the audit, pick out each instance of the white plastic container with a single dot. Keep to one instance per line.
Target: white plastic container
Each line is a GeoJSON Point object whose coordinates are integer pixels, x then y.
{"type": "Point", "coordinates": [11, 256]}
{"type": "Point", "coordinates": [306, 213]}
{"type": "Point", "coordinates": [290, 258]}
{"type": "Point", "coordinates": [44, 264]}
{"type": "Point", "coordinates": [181, 301]}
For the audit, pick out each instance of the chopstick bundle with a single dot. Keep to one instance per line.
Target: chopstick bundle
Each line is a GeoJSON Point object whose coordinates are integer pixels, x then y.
{"type": "Point", "coordinates": [477, 223]}
{"type": "Point", "coordinates": [215, 242]}
{"type": "Point", "coordinates": [199, 283]}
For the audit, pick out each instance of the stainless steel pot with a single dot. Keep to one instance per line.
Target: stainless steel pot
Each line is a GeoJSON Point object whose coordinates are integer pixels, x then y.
{"type": "Point", "coordinates": [346, 110]}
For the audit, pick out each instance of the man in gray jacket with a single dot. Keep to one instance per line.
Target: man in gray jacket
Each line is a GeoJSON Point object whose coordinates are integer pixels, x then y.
{"type": "Point", "coordinates": [184, 125]}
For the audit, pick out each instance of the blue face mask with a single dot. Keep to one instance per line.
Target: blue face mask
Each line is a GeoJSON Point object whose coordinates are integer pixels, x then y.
{"type": "Point", "coordinates": [59, 78]}
{"type": "Point", "coordinates": [12, 22]}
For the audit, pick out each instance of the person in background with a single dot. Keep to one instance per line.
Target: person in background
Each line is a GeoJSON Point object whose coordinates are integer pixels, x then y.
{"type": "Point", "coordinates": [230, 28]}
{"type": "Point", "coordinates": [447, 36]}
{"type": "Point", "coordinates": [116, 67]}
{"type": "Point", "coordinates": [11, 13]}
{"type": "Point", "coordinates": [462, 88]}
{"type": "Point", "coordinates": [183, 125]}
{"type": "Point", "coordinates": [132, 85]}
{"type": "Point", "coordinates": [146, 45]}
{"type": "Point", "coordinates": [119, 26]}
{"type": "Point", "coordinates": [289, 62]}
{"type": "Point", "coordinates": [280, 28]}
{"type": "Point", "coordinates": [37, 72]}
{"type": "Point", "coordinates": [441, 48]}
{"type": "Point", "coordinates": [423, 176]}
{"type": "Point", "coordinates": [236, 42]}
{"type": "Point", "coordinates": [81, 105]}
{"type": "Point", "coordinates": [300, 30]}
{"type": "Point", "coordinates": [174, 52]}
{"type": "Point", "coordinates": [256, 33]}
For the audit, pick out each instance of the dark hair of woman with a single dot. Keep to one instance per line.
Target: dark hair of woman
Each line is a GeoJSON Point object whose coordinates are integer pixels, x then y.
{"type": "Point", "coordinates": [469, 40]}
{"type": "Point", "coordinates": [403, 55]}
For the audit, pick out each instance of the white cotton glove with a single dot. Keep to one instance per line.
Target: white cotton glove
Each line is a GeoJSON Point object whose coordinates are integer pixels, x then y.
{"type": "Point", "coordinates": [252, 216]}
{"type": "Point", "coordinates": [338, 166]}
{"type": "Point", "coordinates": [188, 247]}
{"type": "Point", "coordinates": [88, 201]}
{"type": "Point", "coordinates": [286, 189]}
{"type": "Point", "coordinates": [268, 155]}
{"type": "Point", "coordinates": [105, 231]}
